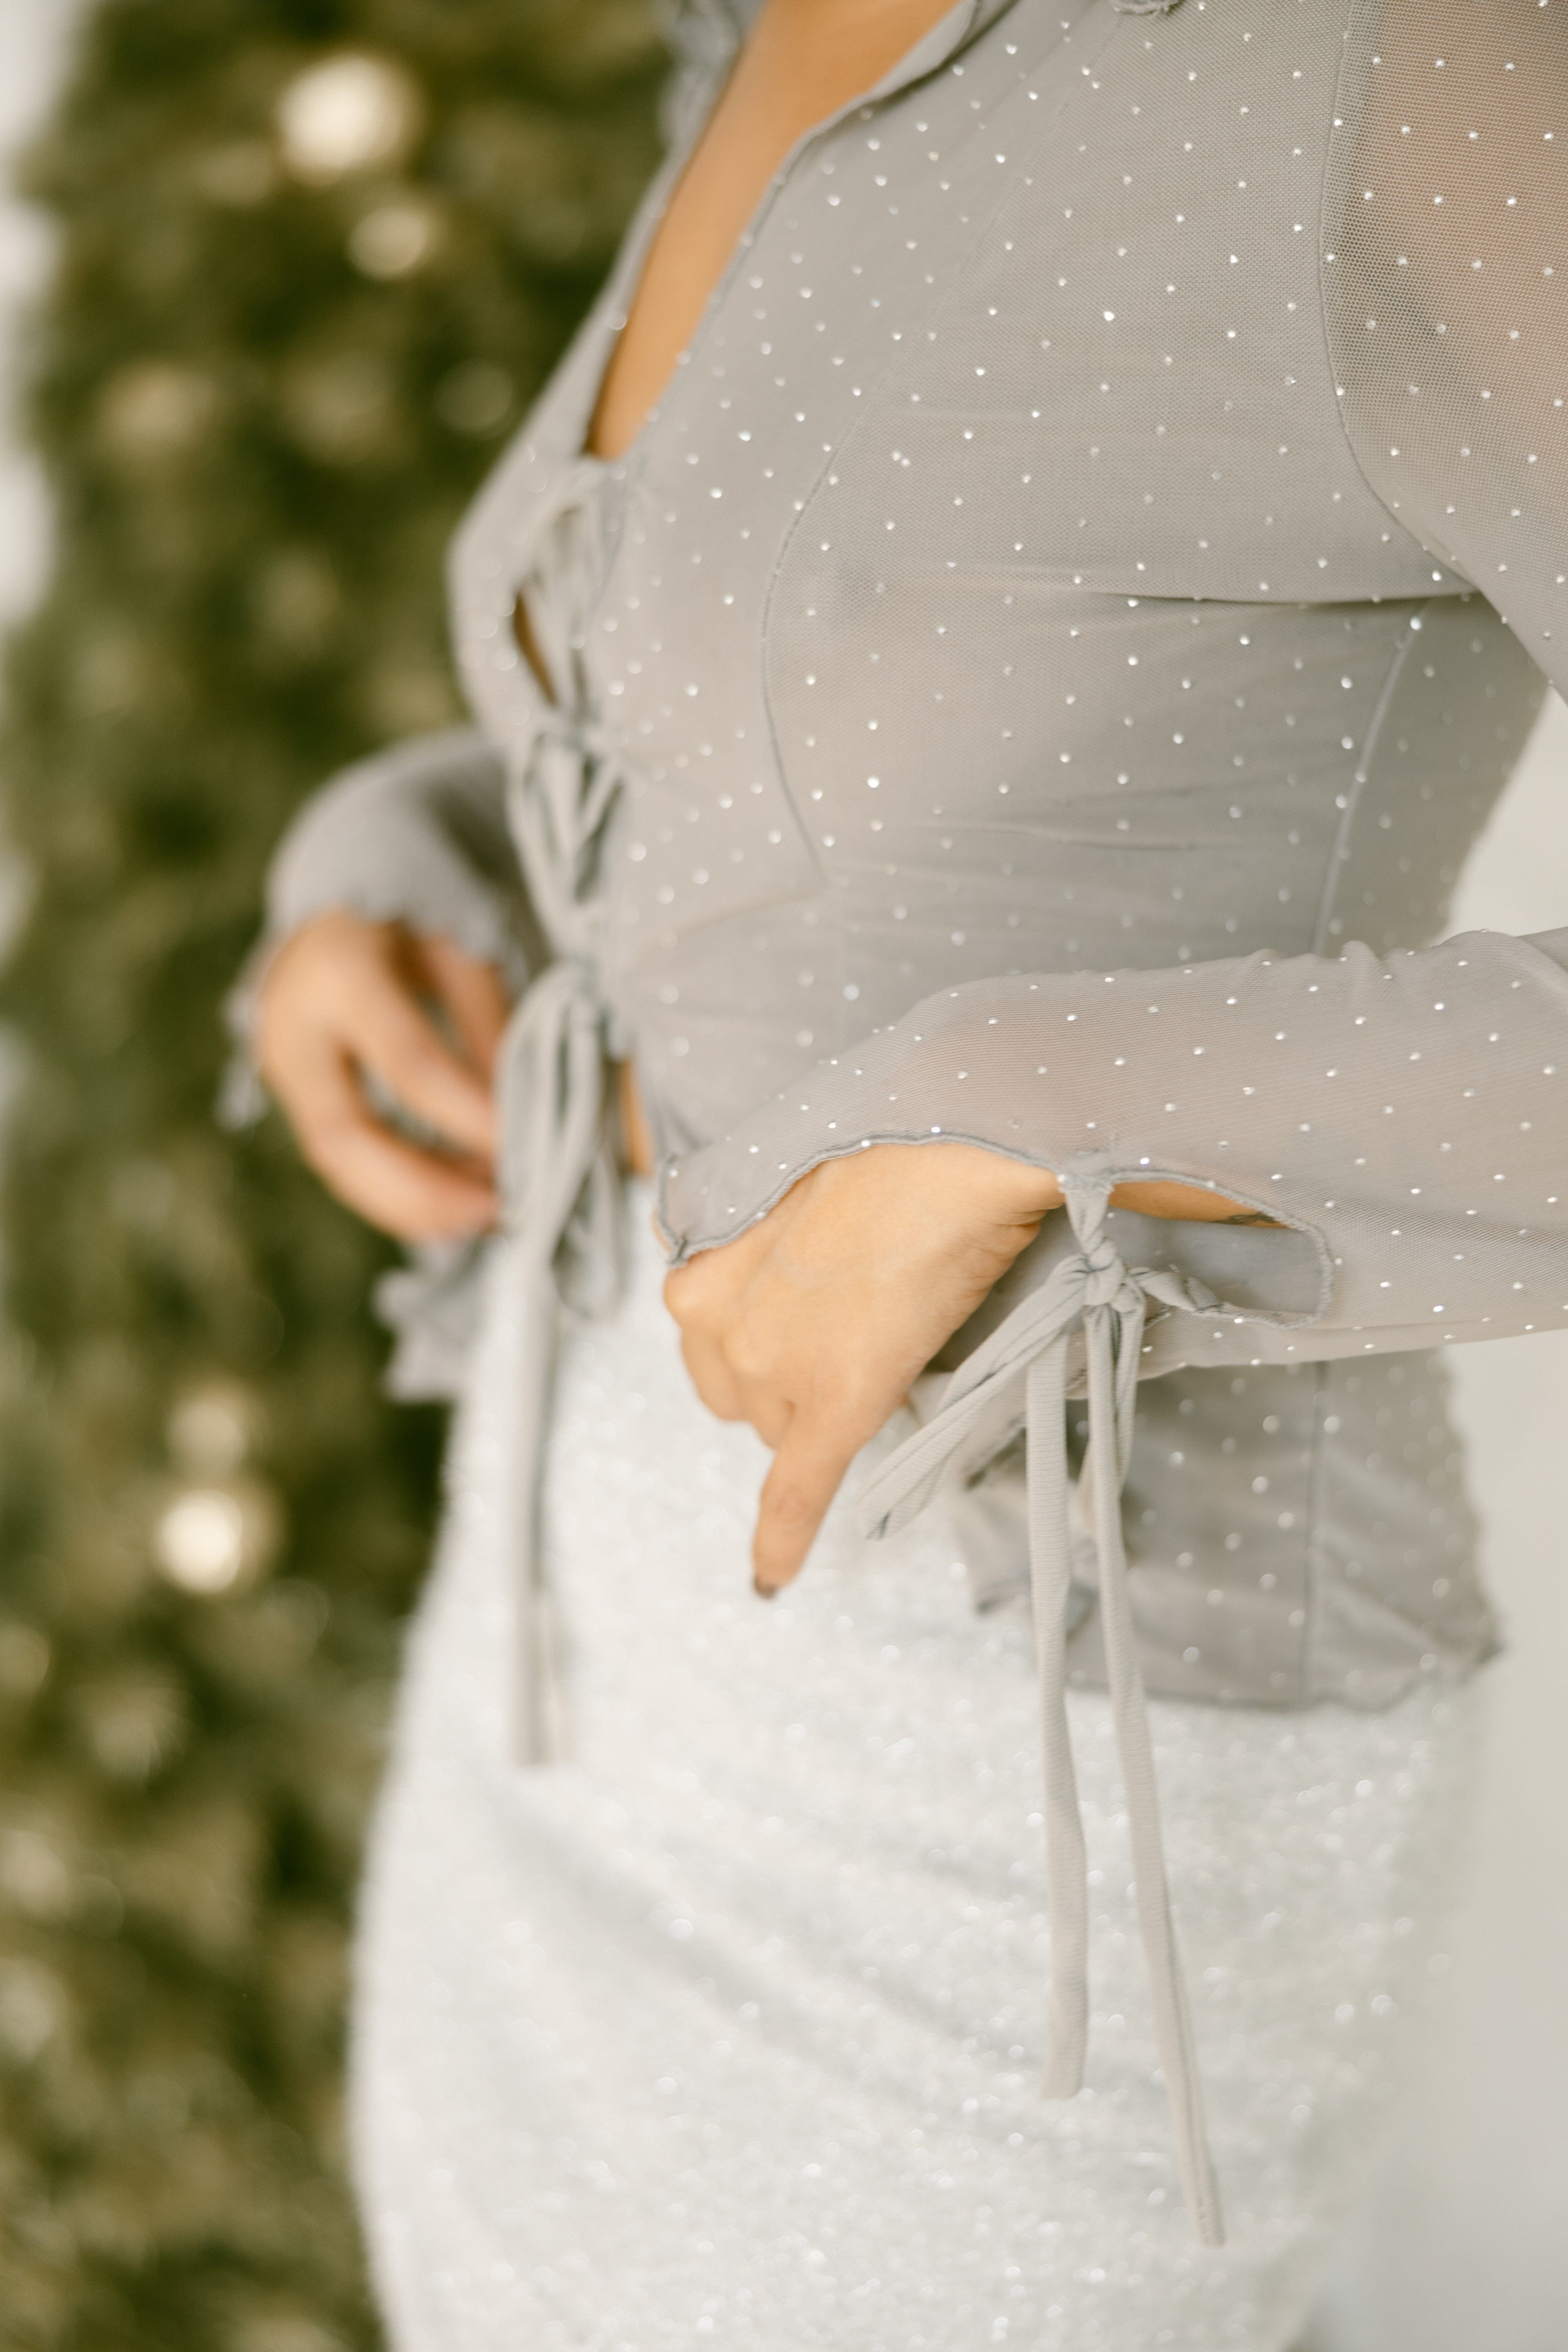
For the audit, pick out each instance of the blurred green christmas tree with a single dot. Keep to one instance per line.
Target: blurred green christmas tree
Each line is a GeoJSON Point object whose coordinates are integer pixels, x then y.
{"type": "Point", "coordinates": [316, 257]}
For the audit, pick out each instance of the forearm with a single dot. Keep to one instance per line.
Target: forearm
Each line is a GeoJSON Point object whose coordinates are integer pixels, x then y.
{"type": "Point", "coordinates": [1187, 1204]}
{"type": "Point", "coordinates": [1405, 1113]}
{"type": "Point", "coordinates": [415, 835]}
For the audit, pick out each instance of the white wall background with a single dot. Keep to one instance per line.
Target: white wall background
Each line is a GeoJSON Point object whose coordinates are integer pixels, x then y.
{"type": "Point", "coordinates": [1464, 2246]}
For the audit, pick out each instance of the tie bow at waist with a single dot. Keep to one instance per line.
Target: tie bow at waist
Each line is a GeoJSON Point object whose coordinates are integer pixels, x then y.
{"type": "Point", "coordinates": [557, 1176]}
{"type": "Point", "coordinates": [1020, 1373]}
{"type": "Point", "coordinates": [559, 1182]}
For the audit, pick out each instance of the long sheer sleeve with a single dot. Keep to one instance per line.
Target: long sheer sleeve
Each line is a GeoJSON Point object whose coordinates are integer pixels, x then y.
{"type": "Point", "coordinates": [416, 834]}
{"type": "Point", "coordinates": [1446, 292]}
{"type": "Point", "coordinates": [1407, 1114]}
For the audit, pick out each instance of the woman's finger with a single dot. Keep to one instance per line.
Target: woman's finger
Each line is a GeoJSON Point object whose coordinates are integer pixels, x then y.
{"type": "Point", "coordinates": [385, 1028]}
{"type": "Point", "coordinates": [343, 985]}
{"type": "Point", "coordinates": [472, 994]}
{"type": "Point", "coordinates": [704, 1293]}
{"type": "Point", "coordinates": [813, 1454]}
{"type": "Point", "coordinates": [734, 1380]}
{"type": "Point", "coordinates": [769, 1411]}
{"type": "Point", "coordinates": [711, 1376]}
{"type": "Point", "coordinates": [416, 1194]}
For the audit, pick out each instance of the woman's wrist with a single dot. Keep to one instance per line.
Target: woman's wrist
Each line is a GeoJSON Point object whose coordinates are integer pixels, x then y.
{"type": "Point", "coordinates": [1013, 1190]}
{"type": "Point", "coordinates": [1191, 1204]}
{"type": "Point", "coordinates": [1017, 1192]}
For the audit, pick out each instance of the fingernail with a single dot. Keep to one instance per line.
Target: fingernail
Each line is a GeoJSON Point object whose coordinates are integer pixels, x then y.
{"type": "Point", "coordinates": [765, 1591]}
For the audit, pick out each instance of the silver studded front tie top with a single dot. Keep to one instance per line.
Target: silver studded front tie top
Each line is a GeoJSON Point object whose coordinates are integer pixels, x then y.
{"type": "Point", "coordinates": [1034, 680]}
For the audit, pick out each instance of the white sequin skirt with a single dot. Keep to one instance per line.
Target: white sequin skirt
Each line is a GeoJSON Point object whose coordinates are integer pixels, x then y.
{"type": "Point", "coordinates": [727, 2032]}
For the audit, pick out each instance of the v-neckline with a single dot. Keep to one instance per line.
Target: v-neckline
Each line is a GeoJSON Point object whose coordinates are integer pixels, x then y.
{"type": "Point", "coordinates": [588, 467]}
{"type": "Point", "coordinates": [622, 291]}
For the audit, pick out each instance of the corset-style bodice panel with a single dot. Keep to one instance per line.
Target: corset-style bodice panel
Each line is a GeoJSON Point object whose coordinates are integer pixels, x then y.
{"type": "Point", "coordinates": [996, 587]}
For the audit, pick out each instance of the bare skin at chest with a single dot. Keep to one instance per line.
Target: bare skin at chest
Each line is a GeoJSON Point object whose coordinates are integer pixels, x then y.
{"type": "Point", "coordinates": [804, 60]}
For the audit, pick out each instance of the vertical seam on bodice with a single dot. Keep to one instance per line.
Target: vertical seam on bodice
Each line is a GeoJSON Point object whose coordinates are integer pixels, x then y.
{"type": "Point", "coordinates": [1339, 853]}
{"type": "Point", "coordinates": [859, 425]}
{"type": "Point", "coordinates": [1342, 126]}
{"type": "Point", "coordinates": [1311, 1579]}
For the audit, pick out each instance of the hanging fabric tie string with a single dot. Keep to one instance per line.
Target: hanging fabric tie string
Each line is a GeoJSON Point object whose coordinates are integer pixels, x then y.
{"type": "Point", "coordinates": [559, 1182]}
{"type": "Point", "coordinates": [1095, 1292]}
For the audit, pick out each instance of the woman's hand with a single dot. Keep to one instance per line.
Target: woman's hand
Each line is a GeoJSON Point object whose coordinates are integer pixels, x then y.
{"type": "Point", "coordinates": [813, 1324]}
{"type": "Point", "coordinates": [348, 1002]}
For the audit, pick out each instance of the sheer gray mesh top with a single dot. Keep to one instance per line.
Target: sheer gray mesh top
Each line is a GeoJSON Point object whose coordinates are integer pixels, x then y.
{"type": "Point", "coordinates": [1034, 680]}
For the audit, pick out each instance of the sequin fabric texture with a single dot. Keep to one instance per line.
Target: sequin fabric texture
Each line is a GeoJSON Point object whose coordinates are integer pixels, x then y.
{"type": "Point", "coordinates": [729, 2030]}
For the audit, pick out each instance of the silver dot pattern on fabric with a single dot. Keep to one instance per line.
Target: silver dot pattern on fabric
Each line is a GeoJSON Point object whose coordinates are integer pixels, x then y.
{"type": "Point", "coordinates": [1054, 644]}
